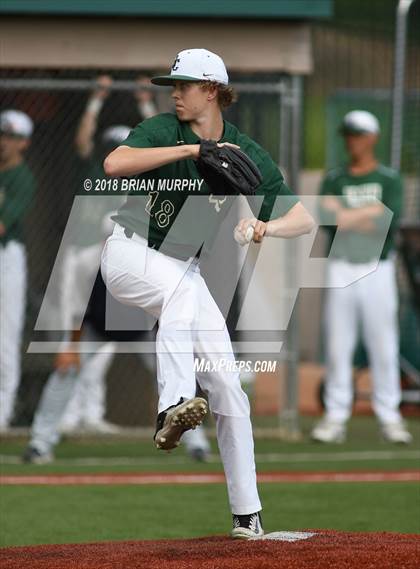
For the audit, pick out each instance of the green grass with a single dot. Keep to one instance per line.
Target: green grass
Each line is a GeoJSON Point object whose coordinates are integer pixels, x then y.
{"type": "Point", "coordinates": [38, 515]}
{"type": "Point", "coordinates": [271, 455]}
{"type": "Point", "coordinates": [34, 514]}
{"type": "Point", "coordinates": [141, 455]}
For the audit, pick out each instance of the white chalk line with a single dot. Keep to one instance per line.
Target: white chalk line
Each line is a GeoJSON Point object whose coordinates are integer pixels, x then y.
{"type": "Point", "coordinates": [261, 458]}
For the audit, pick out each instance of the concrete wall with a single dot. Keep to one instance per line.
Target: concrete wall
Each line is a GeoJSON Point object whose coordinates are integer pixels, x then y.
{"type": "Point", "coordinates": [135, 43]}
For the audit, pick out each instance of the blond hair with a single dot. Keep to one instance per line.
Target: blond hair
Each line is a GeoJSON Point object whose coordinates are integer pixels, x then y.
{"type": "Point", "coordinates": [226, 95]}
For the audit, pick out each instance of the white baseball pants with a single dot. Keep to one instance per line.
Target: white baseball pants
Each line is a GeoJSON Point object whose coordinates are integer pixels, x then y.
{"type": "Point", "coordinates": [190, 323]}
{"type": "Point", "coordinates": [59, 390]}
{"type": "Point", "coordinates": [371, 304]}
{"type": "Point", "coordinates": [12, 318]}
{"type": "Point", "coordinates": [85, 388]}
{"type": "Point", "coordinates": [88, 401]}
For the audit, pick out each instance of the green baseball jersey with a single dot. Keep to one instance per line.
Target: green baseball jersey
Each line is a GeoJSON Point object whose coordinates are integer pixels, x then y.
{"type": "Point", "coordinates": [17, 187]}
{"type": "Point", "coordinates": [383, 184]}
{"type": "Point", "coordinates": [169, 186]}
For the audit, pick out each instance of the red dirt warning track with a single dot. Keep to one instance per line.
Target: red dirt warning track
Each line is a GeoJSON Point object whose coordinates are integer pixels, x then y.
{"type": "Point", "coordinates": [146, 478]}
{"type": "Point", "coordinates": [325, 550]}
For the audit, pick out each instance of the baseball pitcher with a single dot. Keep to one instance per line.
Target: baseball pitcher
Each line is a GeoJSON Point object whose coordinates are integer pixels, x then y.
{"type": "Point", "coordinates": [153, 261]}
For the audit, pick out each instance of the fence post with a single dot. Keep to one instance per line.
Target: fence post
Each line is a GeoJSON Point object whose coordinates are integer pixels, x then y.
{"type": "Point", "coordinates": [399, 72]}
{"type": "Point", "coordinates": [289, 417]}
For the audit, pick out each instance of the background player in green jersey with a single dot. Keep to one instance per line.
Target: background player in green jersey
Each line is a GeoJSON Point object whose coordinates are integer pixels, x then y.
{"type": "Point", "coordinates": [151, 261]}
{"type": "Point", "coordinates": [354, 200]}
{"type": "Point", "coordinates": [17, 187]}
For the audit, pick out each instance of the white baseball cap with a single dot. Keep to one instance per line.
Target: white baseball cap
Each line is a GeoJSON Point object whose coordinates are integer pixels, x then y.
{"type": "Point", "coordinates": [195, 65]}
{"type": "Point", "coordinates": [16, 123]}
{"type": "Point", "coordinates": [360, 122]}
{"type": "Point", "coordinates": [115, 134]}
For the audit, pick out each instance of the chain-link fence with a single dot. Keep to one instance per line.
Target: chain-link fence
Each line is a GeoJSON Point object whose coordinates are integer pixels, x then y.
{"type": "Point", "coordinates": [354, 69]}
{"type": "Point", "coordinates": [353, 56]}
{"type": "Point", "coordinates": [353, 65]}
{"type": "Point", "coordinates": [67, 147]}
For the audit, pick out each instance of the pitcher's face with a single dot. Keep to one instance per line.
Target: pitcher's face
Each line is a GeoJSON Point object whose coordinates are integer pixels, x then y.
{"type": "Point", "coordinates": [191, 100]}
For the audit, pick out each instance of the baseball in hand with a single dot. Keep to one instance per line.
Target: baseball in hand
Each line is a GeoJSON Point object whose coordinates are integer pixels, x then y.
{"type": "Point", "coordinates": [244, 239]}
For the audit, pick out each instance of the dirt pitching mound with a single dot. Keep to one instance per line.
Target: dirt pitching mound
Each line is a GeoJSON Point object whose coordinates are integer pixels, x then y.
{"type": "Point", "coordinates": [321, 549]}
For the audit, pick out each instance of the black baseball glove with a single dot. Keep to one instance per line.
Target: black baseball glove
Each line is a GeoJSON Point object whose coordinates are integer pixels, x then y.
{"type": "Point", "coordinates": [227, 170]}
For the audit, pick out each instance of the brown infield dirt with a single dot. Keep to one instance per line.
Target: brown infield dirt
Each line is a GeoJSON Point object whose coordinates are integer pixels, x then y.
{"type": "Point", "coordinates": [147, 478]}
{"type": "Point", "coordinates": [326, 549]}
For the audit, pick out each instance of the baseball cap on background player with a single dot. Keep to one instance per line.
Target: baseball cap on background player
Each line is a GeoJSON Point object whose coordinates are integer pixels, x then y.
{"type": "Point", "coordinates": [16, 123]}
{"type": "Point", "coordinates": [115, 134]}
{"type": "Point", "coordinates": [112, 137]}
{"type": "Point", "coordinates": [107, 224]}
{"type": "Point", "coordinates": [359, 122]}
{"type": "Point", "coordinates": [195, 65]}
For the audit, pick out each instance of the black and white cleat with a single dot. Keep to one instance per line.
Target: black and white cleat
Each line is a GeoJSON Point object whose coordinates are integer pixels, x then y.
{"type": "Point", "coordinates": [172, 423]}
{"type": "Point", "coordinates": [247, 526]}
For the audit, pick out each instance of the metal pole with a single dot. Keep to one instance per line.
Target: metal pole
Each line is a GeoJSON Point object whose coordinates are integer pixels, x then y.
{"type": "Point", "coordinates": [296, 103]}
{"type": "Point", "coordinates": [284, 128]}
{"type": "Point", "coordinates": [289, 418]}
{"type": "Point", "coordinates": [52, 84]}
{"type": "Point", "coordinates": [399, 71]}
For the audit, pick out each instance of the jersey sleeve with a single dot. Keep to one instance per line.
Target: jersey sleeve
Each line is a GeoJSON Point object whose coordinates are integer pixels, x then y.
{"type": "Point", "coordinates": [140, 137]}
{"type": "Point", "coordinates": [329, 187]}
{"type": "Point", "coordinates": [393, 199]}
{"type": "Point", "coordinates": [278, 197]}
{"type": "Point", "coordinates": [151, 133]}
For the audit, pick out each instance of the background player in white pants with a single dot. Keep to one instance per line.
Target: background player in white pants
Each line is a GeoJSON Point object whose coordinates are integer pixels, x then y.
{"type": "Point", "coordinates": [16, 190]}
{"type": "Point", "coordinates": [79, 379]}
{"type": "Point", "coordinates": [371, 302]}
{"type": "Point", "coordinates": [86, 410]}
{"type": "Point", "coordinates": [143, 266]}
